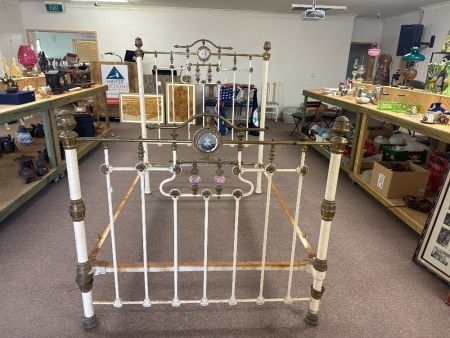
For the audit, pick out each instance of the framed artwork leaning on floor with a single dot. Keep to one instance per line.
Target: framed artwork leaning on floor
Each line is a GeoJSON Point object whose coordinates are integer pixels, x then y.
{"type": "Point", "coordinates": [433, 250]}
{"type": "Point", "coordinates": [130, 108]}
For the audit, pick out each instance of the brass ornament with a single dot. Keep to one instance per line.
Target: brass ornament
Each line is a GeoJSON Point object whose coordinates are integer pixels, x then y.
{"type": "Point", "coordinates": [77, 210]}
{"type": "Point", "coordinates": [66, 122]}
{"type": "Point", "coordinates": [340, 128]}
{"type": "Point", "coordinates": [312, 318]}
{"type": "Point", "coordinates": [317, 294]}
{"type": "Point", "coordinates": [267, 48]}
{"type": "Point", "coordinates": [85, 276]}
{"type": "Point", "coordinates": [320, 265]}
{"type": "Point", "coordinates": [327, 210]}
{"type": "Point", "coordinates": [207, 141]}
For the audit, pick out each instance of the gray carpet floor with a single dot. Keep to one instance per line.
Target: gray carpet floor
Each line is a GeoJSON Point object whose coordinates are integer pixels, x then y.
{"type": "Point", "coordinates": [373, 288]}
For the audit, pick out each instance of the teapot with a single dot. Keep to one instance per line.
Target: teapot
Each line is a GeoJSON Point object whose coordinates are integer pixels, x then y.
{"type": "Point", "coordinates": [23, 135]}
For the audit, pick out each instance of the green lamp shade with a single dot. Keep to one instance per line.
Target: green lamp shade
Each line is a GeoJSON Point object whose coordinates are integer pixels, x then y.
{"type": "Point", "coordinates": [414, 55]}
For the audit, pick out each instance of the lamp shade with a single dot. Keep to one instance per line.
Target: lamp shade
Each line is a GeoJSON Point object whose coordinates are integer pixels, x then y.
{"type": "Point", "coordinates": [26, 56]}
{"type": "Point", "coordinates": [374, 51]}
{"type": "Point", "coordinates": [414, 55]}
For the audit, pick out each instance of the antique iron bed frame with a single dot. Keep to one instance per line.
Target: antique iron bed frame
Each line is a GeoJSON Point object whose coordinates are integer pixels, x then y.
{"type": "Point", "coordinates": [315, 263]}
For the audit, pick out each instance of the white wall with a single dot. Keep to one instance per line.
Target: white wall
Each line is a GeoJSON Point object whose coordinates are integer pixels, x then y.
{"type": "Point", "coordinates": [367, 30]}
{"type": "Point", "coordinates": [304, 54]}
{"type": "Point", "coordinates": [11, 31]}
{"type": "Point", "coordinates": [435, 21]}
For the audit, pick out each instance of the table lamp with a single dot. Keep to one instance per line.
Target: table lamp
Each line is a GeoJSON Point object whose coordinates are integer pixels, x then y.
{"type": "Point", "coordinates": [373, 52]}
{"type": "Point", "coordinates": [27, 58]}
{"type": "Point", "coordinates": [414, 55]}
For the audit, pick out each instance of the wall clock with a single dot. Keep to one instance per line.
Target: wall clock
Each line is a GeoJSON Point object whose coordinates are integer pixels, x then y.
{"type": "Point", "coordinates": [207, 141]}
{"type": "Point", "coordinates": [203, 53]}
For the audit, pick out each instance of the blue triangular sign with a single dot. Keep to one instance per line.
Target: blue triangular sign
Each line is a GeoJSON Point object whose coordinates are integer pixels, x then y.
{"type": "Point", "coordinates": [114, 74]}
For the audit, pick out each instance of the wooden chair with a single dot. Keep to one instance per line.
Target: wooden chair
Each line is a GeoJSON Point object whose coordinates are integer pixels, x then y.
{"type": "Point", "coordinates": [272, 100]}
{"type": "Point", "coordinates": [311, 109]}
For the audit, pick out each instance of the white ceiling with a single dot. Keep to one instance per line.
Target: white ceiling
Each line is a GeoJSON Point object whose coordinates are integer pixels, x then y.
{"type": "Point", "coordinates": [361, 8]}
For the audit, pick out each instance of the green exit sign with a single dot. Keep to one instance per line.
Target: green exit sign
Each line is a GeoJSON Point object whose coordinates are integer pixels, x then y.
{"type": "Point", "coordinates": [54, 7]}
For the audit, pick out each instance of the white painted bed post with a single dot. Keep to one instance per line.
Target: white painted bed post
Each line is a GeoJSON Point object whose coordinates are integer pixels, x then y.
{"type": "Point", "coordinates": [85, 275]}
{"type": "Point", "coordinates": [262, 122]}
{"type": "Point", "coordinates": [139, 55]}
{"type": "Point", "coordinates": [328, 209]}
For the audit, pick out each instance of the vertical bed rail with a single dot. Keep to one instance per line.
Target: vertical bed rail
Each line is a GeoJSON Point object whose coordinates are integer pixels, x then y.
{"type": "Point", "coordinates": [85, 275]}
{"type": "Point", "coordinates": [139, 55]}
{"type": "Point", "coordinates": [328, 210]}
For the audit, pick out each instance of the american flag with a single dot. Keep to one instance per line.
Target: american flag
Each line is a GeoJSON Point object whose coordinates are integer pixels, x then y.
{"type": "Point", "coordinates": [226, 92]}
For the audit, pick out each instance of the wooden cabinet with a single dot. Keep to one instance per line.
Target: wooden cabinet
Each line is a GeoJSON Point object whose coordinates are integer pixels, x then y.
{"type": "Point", "coordinates": [439, 134]}
{"type": "Point", "coordinates": [15, 192]}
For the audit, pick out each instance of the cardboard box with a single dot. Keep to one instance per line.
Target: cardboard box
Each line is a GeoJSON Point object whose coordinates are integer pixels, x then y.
{"type": "Point", "coordinates": [375, 131]}
{"type": "Point", "coordinates": [397, 184]}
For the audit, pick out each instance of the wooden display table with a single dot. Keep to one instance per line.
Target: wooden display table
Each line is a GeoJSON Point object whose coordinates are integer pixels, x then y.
{"type": "Point", "coordinates": [439, 134]}
{"type": "Point", "coordinates": [35, 82]}
{"type": "Point", "coordinates": [15, 192]}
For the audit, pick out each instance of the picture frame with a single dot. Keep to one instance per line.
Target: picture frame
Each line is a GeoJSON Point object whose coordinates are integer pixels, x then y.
{"type": "Point", "coordinates": [130, 108]}
{"type": "Point", "coordinates": [446, 45]}
{"type": "Point", "coordinates": [433, 250]}
{"type": "Point", "coordinates": [183, 104]}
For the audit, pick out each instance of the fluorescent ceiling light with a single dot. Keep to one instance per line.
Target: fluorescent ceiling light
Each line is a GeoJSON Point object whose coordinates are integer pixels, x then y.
{"type": "Point", "coordinates": [100, 0]}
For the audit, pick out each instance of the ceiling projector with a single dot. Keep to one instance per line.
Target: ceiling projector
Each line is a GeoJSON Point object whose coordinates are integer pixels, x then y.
{"type": "Point", "coordinates": [313, 14]}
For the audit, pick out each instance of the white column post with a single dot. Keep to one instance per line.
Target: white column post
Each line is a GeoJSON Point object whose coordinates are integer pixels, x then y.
{"type": "Point", "coordinates": [84, 278]}
{"type": "Point", "coordinates": [139, 55]}
{"type": "Point", "coordinates": [328, 209]}
{"type": "Point", "coordinates": [262, 121]}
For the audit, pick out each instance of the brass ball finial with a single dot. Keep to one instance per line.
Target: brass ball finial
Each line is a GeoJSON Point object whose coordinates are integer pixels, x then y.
{"type": "Point", "coordinates": [65, 120]}
{"type": "Point", "coordinates": [138, 43]}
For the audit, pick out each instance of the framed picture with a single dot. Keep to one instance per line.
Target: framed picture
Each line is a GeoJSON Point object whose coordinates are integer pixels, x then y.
{"type": "Point", "coordinates": [446, 45]}
{"type": "Point", "coordinates": [433, 251]}
{"type": "Point", "coordinates": [130, 108]}
{"type": "Point", "coordinates": [180, 102]}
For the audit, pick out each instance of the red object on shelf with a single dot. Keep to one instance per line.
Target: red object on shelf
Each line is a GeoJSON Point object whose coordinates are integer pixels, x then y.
{"type": "Point", "coordinates": [437, 164]}
{"type": "Point", "coordinates": [26, 56]}
{"type": "Point", "coordinates": [447, 301]}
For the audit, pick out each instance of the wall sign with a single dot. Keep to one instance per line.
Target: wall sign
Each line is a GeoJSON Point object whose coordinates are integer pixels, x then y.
{"type": "Point", "coordinates": [54, 7]}
{"type": "Point", "coordinates": [116, 77]}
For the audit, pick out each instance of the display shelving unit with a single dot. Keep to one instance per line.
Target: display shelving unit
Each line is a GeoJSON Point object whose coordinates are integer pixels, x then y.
{"type": "Point", "coordinates": [438, 133]}
{"type": "Point", "coordinates": [15, 192]}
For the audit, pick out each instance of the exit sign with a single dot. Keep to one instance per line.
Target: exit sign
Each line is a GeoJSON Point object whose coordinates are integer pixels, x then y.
{"type": "Point", "coordinates": [54, 7]}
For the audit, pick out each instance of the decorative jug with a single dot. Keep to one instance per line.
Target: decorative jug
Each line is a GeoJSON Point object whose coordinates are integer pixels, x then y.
{"type": "Point", "coordinates": [23, 135]}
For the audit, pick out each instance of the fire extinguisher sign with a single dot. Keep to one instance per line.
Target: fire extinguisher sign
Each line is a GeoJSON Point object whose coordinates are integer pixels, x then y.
{"type": "Point", "coordinates": [116, 77]}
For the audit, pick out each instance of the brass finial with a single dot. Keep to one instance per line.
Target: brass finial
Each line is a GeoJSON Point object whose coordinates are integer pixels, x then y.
{"type": "Point", "coordinates": [138, 44]}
